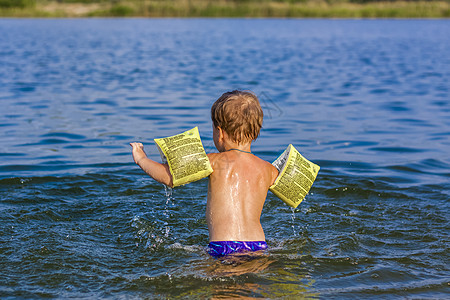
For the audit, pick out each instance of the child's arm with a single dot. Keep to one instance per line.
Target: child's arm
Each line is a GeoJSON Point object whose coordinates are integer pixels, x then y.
{"type": "Point", "coordinates": [159, 172]}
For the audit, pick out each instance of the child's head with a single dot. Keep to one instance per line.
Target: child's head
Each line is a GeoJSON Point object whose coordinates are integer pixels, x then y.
{"type": "Point", "coordinates": [239, 114]}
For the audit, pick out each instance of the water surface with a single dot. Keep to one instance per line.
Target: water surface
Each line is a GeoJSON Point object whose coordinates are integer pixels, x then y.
{"type": "Point", "coordinates": [366, 100]}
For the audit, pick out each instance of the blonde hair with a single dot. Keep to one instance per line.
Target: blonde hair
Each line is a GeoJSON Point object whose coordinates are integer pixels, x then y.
{"type": "Point", "coordinates": [239, 114]}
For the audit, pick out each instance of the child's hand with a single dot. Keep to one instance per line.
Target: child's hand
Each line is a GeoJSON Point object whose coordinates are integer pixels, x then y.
{"type": "Point", "coordinates": [138, 152]}
{"type": "Point", "coordinates": [159, 172]}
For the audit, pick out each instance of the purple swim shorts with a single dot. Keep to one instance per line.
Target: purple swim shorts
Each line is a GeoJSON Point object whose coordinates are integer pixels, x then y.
{"type": "Point", "coordinates": [222, 248]}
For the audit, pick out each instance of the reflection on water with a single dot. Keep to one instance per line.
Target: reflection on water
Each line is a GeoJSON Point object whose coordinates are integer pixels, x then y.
{"type": "Point", "coordinates": [367, 100]}
{"type": "Point", "coordinates": [238, 264]}
{"type": "Point", "coordinates": [237, 277]}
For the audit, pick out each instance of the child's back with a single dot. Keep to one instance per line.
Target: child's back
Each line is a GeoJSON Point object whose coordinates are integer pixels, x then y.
{"type": "Point", "coordinates": [236, 194]}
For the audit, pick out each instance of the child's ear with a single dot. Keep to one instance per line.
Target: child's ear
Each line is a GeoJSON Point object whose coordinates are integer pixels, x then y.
{"type": "Point", "coordinates": [221, 133]}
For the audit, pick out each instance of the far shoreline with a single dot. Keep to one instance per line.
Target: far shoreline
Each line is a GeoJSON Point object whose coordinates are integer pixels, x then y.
{"type": "Point", "coordinates": [250, 9]}
{"type": "Point", "coordinates": [226, 18]}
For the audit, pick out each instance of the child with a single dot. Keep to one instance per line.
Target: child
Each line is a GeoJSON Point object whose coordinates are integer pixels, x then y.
{"type": "Point", "coordinates": [239, 183]}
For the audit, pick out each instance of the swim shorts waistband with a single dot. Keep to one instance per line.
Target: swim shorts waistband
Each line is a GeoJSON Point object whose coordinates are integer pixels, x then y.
{"type": "Point", "coordinates": [222, 248]}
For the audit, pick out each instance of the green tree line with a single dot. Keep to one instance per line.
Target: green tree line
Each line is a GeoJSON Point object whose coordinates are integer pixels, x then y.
{"type": "Point", "coordinates": [27, 3]}
{"type": "Point", "coordinates": [228, 8]}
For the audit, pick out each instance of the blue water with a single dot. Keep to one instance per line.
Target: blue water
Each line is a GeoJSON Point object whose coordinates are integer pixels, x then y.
{"type": "Point", "coordinates": [367, 100]}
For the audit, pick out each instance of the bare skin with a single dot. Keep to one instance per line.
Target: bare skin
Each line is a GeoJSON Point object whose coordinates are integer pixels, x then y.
{"type": "Point", "coordinates": [237, 188]}
{"type": "Point", "coordinates": [236, 192]}
{"type": "Point", "coordinates": [159, 172]}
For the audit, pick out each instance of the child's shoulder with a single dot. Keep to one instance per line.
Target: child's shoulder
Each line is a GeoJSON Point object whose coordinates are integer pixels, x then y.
{"type": "Point", "coordinates": [268, 169]}
{"type": "Point", "coordinates": [273, 171]}
{"type": "Point", "coordinates": [213, 156]}
{"type": "Point", "coordinates": [258, 163]}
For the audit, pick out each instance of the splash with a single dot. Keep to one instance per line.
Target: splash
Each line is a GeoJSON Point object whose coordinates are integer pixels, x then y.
{"type": "Point", "coordinates": [293, 222]}
{"type": "Point", "coordinates": [168, 192]}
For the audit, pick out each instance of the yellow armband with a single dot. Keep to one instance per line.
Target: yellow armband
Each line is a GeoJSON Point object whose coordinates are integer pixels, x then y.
{"type": "Point", "coordinates": [295, 178]}
{"type": "Point", "coordinates": [185, 155]}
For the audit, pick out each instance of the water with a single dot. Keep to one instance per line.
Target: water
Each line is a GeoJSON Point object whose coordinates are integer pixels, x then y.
{"type": "Point", "coordinates": [366, 100]}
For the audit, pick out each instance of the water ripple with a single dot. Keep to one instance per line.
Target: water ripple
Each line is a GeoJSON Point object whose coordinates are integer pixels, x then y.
{"type": "Point", "coordinates": [365, 100]}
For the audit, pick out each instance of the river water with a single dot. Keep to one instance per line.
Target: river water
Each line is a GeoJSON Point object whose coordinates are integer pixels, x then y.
{"type": "Point", "coordinates": [367, 100]}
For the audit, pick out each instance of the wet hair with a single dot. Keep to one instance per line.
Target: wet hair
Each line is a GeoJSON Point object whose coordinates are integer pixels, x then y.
{"type": "Point", "coordinates": [239, 114]}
